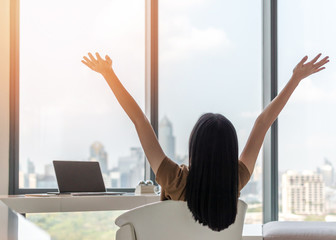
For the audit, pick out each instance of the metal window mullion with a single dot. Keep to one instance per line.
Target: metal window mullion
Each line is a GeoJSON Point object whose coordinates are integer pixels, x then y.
{"type": "Point", "coordinates": [151, 72]}
{"type": "Point", "coordinates": [270, 74]}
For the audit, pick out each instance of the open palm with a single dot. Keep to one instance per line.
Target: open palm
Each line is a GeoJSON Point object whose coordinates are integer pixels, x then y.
{"type": "Point", "coordinates": [303, 70]}
{"type": "Point", "coordinates": [99, 65]}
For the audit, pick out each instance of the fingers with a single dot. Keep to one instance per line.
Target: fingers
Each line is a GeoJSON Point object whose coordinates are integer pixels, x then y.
{"type": "Point", "coordinates": [87, 60]}
{"type": "Point", "coordinates": [88, 64]}
{"type": "Point", "coordinates": [322, 62]}
{"type": "Point", "coordinates": [94, 63]}
{"type": "Point", "coordinates": [92, 58]}
{"type": "Point", "coordinates": [304, 59]}
{"type": "Point", "coordinates": [108, 59]}
{"type": "Point", "coordinates": [318, 66]}
{"type": "Point", "coordinates": [315, 58]}
{"type": "Point", "coordinates": [99, 58]}
{"type": "Point", "coordinates": [320, 69]}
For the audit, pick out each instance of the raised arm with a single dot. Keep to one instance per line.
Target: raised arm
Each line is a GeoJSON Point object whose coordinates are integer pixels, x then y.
{"type": "Point", "coordinates": [271, 112]}
{"type": "Point", "coordinates": [147, 137]}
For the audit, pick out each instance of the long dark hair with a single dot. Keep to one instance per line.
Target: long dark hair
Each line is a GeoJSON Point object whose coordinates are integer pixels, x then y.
{"type": "Point", "coordinates": [212, 183]}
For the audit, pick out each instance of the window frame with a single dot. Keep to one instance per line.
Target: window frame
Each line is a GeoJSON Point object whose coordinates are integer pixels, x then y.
{"type": "Point", "coordinates": [151, 84]}
{"type": "Point", "coordinates": [269, 90]}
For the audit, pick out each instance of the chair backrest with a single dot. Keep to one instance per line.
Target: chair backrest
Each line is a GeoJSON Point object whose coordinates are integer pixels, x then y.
{"type": "Point", "coordinates": [172, 220]}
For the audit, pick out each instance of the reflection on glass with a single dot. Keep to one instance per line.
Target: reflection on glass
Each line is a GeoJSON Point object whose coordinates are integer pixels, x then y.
{"type": "Point", "coordinates": [210, 61]}
{"type": "Point", "coordinates": [67, 112]}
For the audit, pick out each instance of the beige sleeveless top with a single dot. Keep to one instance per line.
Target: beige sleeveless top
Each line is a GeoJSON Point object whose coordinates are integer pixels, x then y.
{"type": "Point", "coordinates": [173, 179]}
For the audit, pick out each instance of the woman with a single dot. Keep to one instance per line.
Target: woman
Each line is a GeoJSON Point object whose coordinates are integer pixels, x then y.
{"type": "Point", "coordinates": [215, 176]}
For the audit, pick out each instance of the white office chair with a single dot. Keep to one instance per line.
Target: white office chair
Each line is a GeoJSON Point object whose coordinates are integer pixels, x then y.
{"type": "Point", "coordinates": [169, 220]}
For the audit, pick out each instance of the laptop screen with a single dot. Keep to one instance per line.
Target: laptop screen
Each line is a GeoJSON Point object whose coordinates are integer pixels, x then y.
{"type": "Point", "coordinates": [79, 176]}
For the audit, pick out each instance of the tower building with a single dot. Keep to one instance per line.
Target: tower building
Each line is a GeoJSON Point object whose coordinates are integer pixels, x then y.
{"type": "Point", "coordinates": [98, 153]}
{"type": "Point", "coordinates": [303, 193]}
{"type": "Point", "coordinates": [166, 137]}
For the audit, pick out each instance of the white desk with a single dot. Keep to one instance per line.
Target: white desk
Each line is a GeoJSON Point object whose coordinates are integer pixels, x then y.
{"type": "Point", "coordinates": [68, 203]}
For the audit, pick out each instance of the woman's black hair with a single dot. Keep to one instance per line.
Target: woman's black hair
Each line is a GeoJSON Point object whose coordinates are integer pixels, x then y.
{"type": "Point", "coordinates": [212, 183]}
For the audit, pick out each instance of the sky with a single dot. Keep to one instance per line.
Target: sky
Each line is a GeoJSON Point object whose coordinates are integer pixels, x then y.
{"type": "Point", "coordinates": [210, 55]}
{"type": "Point", "coordinates": [65, 106]}
{"type": "Point", "coordinates": [307, 133]}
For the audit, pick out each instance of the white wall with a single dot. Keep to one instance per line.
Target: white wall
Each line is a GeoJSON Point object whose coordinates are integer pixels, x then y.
{"type": "Point", "coordinates": [4, 94]}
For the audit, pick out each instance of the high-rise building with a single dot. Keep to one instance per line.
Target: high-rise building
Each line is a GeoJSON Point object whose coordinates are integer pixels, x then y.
{"type": "Point", "coordinates": [30, 166]}
{"type": "Point", "coordinates": [115, 178]}
{"type": "Point", "coordinates": [32, 180]}
{"type": "Point", "coordinates": [131, 168]}
{"type": "Point", "coordinates": [303, 193]}
{"type": "Point", "coordinates": [98, 153]}
{"type": "Point", "coordinates": [45, 180]}
{"type": "Point", "coordinates": [166, 137]}
{"type": "Point", "coordinates": [28, 179]}
{"type": "Point", "coordinates": [49, 170]}
{"type": "Point", "coordinates": [328, 173]}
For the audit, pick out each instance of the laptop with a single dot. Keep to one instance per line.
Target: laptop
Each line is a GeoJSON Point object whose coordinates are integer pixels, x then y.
{"type": "Point", "coordinates": [80, 178]}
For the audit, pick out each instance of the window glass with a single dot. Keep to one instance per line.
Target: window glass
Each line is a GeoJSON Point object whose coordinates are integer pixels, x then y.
{"type": "Point", "coordinates": [78, 225]}
{"type": "Point", "coordinates": [210, 61]}
{"type": "Point", "coordinates": [307, 132]}
{"type": "Point", "coordinates": [67, 111]}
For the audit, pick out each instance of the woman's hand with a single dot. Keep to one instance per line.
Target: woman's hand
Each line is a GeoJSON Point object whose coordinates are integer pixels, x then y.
{"type": "Point", "coordinates": [271, 112]}
{"type": "Point", "coordinates": [146, 134]}
{"type": "Point", "coordinates": [303, 70]}
{"type": "Point", "coordinates": [99, 65]}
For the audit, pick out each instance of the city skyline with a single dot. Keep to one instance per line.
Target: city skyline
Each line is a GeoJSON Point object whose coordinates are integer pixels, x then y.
{"type": "Point", "coordinates": [167, 140]}
{"type": "Point", "coordinates": [304, 185]}
{"type": "Point", "coordinates": [128, 173]}
{"type": "Point", "coordinates": [301, 193]}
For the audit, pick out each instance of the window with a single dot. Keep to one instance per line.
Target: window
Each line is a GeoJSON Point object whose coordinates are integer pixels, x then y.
{"type": "Point", "coordinates": [210, 56]}
{"type": "Point", "coordinates": [74, 225]}
{"type": "Point", "coordinates": [209, 64]}
{"type": "Point", "coordinates": [307, 132]}
{"type": "Point", "coordinates": [67, 111]}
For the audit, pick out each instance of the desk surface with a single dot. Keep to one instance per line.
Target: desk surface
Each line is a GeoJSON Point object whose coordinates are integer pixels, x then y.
{"type": "Point", "coordinates": [15, 227]}
{"type": "Point", "coordinates": [68, 203]}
